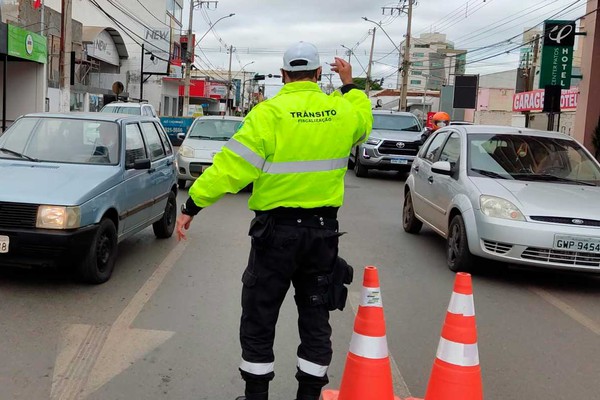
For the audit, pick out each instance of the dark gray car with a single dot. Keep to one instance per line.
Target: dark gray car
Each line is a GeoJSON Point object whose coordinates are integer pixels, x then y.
{"type": "Point", "coordinates": [392, 145]}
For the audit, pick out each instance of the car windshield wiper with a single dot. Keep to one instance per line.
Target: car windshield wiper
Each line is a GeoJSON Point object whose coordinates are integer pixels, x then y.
{"type": "Point", "coordinates": [220, 137]}
{"type": "Point", "coordinates": [489, 174]}
{"type": "Point", "coordinates": [550, 178]}
{"type": "Point", "coordinates": [17, 154]}
{"type": "Point", "coordinates": [200, 137]}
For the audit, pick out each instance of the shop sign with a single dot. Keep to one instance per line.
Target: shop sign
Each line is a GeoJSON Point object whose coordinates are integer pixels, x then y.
{"type": "Point", "coordinates": [27, 45]}
{"type": "Point", "coordinates": [103, 48]}
{"type": "Point", "coordinates": [157, 50]}
{"type": "Point", "coordinates": [534, 100]}
{"type": "Point", "coordinates": [557, 53]}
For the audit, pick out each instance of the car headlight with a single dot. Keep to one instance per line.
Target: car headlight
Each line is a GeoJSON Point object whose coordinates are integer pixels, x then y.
{"type": "Point", "coordinates": [373, 141]}
{"type": "Point", "coordinates": [186, 151]}
{"type": "Point", "coordinates": [58, 217]}
{"type": "Point", "coordinates": [500, 208]}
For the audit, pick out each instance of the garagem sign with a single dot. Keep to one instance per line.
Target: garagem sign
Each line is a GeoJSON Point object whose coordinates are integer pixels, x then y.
{"type": "Point", "coordinates": [534, 100]}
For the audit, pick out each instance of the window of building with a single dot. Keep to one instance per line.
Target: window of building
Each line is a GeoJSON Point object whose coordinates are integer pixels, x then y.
{"type": "Point", "coordinates": [175, 107]}
{"type": "Point", "coordinates": [418, 63]}
{"type": "Point", "coordinates": [167, 105]}
{"type": "Point", "coordinates": [418, 54]}
{"type": "Point", "coordinates": [175, 8]}
{"type": "Point", "coordinates": [416, 72]}
{"type": "Point", "coordinates": [421, 46]}
{"type": "Point", "coordinates": [415, 81]}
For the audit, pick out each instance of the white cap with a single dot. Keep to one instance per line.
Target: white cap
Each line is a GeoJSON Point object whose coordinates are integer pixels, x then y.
{"type": "Point", "coordinates": [301, 56]}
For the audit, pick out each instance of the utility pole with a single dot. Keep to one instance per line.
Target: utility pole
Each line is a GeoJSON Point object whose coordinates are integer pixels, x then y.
{"type": "Point", "coordinates": [190, 51]}
{"type": "Point", "coordinates": [406, 7]}
{"type": "Point", "coordinates": [227, 111]}
{"type": "Point", "coordinates": [531, 73]}
{"type": "Point", "coordinates": [65, 56]}
{"type": "Point", "coordinates": [368, 82]}
{"type": "Point", "coordinates": [142, 74]}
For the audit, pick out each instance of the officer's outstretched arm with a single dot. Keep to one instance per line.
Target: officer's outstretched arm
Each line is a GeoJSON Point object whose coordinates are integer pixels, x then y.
{"type": "Point", "coordinates": [364, 116]}
{"type": "Point", "coordinates": [235, 167]}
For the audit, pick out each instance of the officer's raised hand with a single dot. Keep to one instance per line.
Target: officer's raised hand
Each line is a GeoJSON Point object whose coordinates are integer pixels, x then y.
{"type": "Point", "coordinates": [343, 69]}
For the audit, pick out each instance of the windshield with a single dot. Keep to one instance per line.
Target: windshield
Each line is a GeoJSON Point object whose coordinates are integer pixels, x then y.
{"type": "Point", "coordinates": [531, 158]}
{"type": "Point", "coordinates": [214, 129]}
{"type": "Point", "coordinates": [393, 122]}
{"type": "Point", "coordinates": [122, 110]}
{"type": "Point", "coordinates": [62, 140]}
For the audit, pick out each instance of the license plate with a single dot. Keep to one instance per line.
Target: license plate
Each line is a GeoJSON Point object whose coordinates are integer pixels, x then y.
{"type": "Point", "coordinates": [401, 161]}
{"type": "Point", "coordinates": [4, 241]}
{"type": "Point", "coordinates": [577, 243]}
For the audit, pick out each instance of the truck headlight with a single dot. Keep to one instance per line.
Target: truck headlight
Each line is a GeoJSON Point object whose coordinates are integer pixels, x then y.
{"type": "Point", "coordinates": [500, 208]}
{"type": "Point", "coordinates": [186, 151]}
{"type": "Point", "coordinates": [373, 141]}
{"type": "Point", "coordinates": [58, 217]}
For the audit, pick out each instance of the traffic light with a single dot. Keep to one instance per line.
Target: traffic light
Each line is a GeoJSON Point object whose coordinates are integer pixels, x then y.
{"type": "Point", "coordinates": [258, 77]}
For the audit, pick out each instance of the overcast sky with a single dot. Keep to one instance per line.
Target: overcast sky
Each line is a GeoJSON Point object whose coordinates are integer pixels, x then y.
{"type": "Point", "coordinates": [261, 30]}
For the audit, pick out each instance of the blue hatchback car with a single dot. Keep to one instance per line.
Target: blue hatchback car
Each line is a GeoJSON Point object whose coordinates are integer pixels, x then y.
{"type": "Point", "coordinates": [75, 185]}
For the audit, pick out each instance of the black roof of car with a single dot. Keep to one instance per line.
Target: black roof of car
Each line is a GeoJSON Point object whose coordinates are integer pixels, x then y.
{"type": "Point", "coordinates": [95, 116]}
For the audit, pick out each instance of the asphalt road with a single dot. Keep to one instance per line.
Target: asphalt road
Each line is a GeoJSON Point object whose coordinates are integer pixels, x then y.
{"type": "Point", "coordinates": [166, 325]}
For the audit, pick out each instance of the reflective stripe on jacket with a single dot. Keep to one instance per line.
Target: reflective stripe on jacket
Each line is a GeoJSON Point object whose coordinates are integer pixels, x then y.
{"type": "Point", "coordinates": [294, 147]}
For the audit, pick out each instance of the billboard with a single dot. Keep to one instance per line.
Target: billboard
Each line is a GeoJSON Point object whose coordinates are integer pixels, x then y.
{"type": "Point", "coordinates": [534, 100]}
{"type": "Point", "coordinates": [557, 53]}
{"type": "Point", "coordinates": [465, 91]}
{"type": "Point", "coordinates": [157, 43]}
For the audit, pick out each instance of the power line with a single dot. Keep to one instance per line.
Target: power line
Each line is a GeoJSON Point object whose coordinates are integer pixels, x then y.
{"type": "Point", "coordinates": [152, 14]}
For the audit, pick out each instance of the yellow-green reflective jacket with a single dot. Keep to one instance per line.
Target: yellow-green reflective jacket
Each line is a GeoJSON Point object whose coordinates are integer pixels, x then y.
{"type": "Point", "coordinates": [293, 147]}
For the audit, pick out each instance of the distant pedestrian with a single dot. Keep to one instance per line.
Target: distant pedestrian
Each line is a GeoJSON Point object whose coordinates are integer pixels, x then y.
{"type": "Point", "coordinates": [294, 148]}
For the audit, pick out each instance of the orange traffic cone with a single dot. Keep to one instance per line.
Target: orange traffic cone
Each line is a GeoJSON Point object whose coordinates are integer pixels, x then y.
{"type": "Point", "coordinates": [456, 373]}
{"type": "Point", "coordinates": [368, 374]}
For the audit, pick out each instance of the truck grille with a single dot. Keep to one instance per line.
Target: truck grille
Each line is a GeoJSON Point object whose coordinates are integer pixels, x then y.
{"type": "Point", "coordinates": [390, 147]}
{"type": "Point", "coordinates": [562, 257]}
{"type": "Point", "coordinates": [18, 215]}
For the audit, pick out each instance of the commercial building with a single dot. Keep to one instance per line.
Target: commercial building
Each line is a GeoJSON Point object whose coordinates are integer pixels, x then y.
{"type": "Point", "coordinates": [105, 52]}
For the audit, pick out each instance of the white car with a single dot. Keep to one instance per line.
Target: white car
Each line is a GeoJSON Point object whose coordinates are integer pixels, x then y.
{"type": "Point", "coordinates": [203, 141]}
{"type": "Point", "coordinates": [507, 194]}
{"type": "Point", "coordinates": [144, 109]}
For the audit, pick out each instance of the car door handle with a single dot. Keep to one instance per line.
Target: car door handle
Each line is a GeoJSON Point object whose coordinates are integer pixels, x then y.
{"type": "Point", "coordinates": [430, 179]}
{"type": "Point", "coordinates": [169, 162]}
{"type": "Point", "coordinates": [416, 168]}
{"type": "Point", "coordinates": [152, 170]}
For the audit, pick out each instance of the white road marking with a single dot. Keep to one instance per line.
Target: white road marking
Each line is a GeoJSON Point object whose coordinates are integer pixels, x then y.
{"type": "Point", "coordinates": [90, 356]}
{"type": "Point", "coordinates": [400, 387]}
{"type": "Point", "coordinates": [577, 316]}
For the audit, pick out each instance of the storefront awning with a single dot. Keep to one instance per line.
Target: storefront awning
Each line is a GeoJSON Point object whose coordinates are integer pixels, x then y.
{"type": "Point", "coordinates": [104, 43]}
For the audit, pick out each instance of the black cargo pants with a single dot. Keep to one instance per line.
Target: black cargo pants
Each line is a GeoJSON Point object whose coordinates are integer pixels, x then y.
{"type": "Point", "coordinates": [301, 250]}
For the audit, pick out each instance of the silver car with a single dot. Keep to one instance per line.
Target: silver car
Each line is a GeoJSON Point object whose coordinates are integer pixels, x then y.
{"type": "Point", "coordinates": [392, 146]}
{"type": "Point", "coordinates": [507, 194]}
{"type": "Point", "coordinates": [203, 141]}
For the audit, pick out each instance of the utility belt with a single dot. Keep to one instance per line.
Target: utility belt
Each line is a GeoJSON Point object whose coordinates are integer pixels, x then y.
{"type": "Point", "coordinates": [319, 218]}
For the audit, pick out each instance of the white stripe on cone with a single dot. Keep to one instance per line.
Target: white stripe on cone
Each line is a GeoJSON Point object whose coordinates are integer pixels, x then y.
{"type": "Point", "coordinates": [463, 355]}
{"type": "Point", "coordinates": [462, 304]}
{"type": "Point", "coordinates": [370, 297]}
{"type": "Point", "coordinates": [368, 346]}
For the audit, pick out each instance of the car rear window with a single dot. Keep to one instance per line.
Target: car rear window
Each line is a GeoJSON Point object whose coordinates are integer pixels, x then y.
{"type": "Point", "coordinates": [122, 110]}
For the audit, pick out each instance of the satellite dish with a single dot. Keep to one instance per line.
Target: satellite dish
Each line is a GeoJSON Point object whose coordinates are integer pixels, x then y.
{"type": "Point", "coordinates": [118, 88]}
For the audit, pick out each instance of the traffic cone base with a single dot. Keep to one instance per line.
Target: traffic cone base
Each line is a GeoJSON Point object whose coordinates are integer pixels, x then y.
{"type": "Point", "coordinates": [334, 394]}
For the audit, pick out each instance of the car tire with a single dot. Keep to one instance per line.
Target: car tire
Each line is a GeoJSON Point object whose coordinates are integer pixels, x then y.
{"type": "Point", "coordinates": [350, 162]}
{"type": "Point", "coordinates": [410, 222]}
{"type": "Point", "coordinates": [99, 262]}
{"type": "Point", "coordinates": [181, 183]}
{"type": "Point", "coordinates": [360, 170]}
{"type": "Point", "coordinates": [458, 255]}
{"type": "Point", "coordinates": [164, 227]}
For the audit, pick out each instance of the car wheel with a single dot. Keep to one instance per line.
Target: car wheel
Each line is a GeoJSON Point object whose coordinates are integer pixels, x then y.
{"type": "Point", "coordinates": [99, 262]}
{"type": "Point", "coordinates": [459, 257]}
{"type": "Point", "coordinates": [360, 170]}
{"type": "Point", "coordinates": [181, 183]}
{"type": "Point", "coordinates": [164, 227]}
{"type": "Point", "coordinates": [410, 222]}
{"type": "Point", "coordinates": [351, 162]}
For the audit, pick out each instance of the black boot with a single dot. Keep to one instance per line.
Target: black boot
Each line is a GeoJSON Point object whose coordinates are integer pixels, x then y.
{"type": "Point", "coordinates": [254, 396]}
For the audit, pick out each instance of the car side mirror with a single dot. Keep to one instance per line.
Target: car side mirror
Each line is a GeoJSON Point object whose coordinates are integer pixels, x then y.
{"type": "Point", "coordinates": [181, 136]}
{"type": "Point", "coordinates": [142, 164]}
{"type": "Point", "coordinates": [442, 168]}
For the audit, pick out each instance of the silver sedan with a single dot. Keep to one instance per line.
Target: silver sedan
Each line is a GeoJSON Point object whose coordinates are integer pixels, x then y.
{"type": "Point", "coordinates": [507, 194]}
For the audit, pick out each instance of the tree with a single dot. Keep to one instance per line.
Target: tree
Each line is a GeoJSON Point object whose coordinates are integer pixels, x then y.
{"type": "Point", "coordinates": [360, 83]}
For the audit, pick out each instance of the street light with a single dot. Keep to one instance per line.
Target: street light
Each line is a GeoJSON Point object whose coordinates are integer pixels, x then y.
{"type": "Point", "coordinates": [212, 26]}
{"type": "Point", "coordinates": [386, 34]}
{"type": "Point", "coordinates": [350, 52]}
{"type": "Point", "coordinates": [243, 83]}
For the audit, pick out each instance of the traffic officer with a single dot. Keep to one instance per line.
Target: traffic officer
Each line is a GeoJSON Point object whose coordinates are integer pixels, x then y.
{"type": "Point", "coordinates": [294, 148]}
